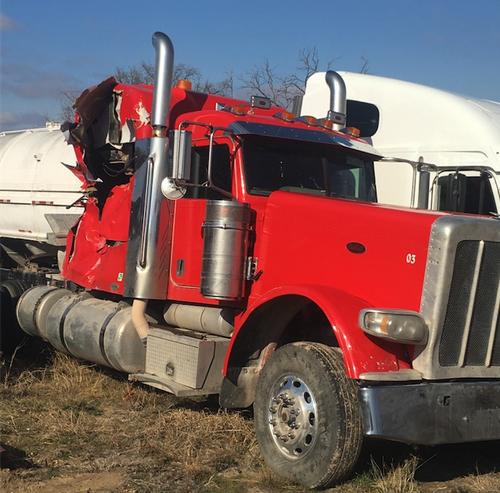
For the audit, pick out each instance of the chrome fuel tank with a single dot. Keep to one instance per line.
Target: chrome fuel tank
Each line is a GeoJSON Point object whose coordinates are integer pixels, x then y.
{"type": "Point", "coordinates": [56, 317]}
{"type": "Point", "coordinates": [34, 306]}
{"type": "Point", "coordinates": [83, 326]}
{"type": "Point", "coordinates": [225, 249]}
{"type": "Point", "coordinates": [86, 327]}
{"type": "Point", "coordinates": [121, 344]}
{"type": "Point", "coordinates": [102, 332]}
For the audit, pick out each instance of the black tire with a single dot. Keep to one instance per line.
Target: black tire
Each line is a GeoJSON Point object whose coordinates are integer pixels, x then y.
{"type": "Point", "coordinates": [308, 380]}
{"type": "Point", "coordinates": [10, 335]}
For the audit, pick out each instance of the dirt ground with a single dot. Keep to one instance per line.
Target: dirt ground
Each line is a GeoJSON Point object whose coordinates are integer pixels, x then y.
{"type": "Point", "coordinates": [67, 426]}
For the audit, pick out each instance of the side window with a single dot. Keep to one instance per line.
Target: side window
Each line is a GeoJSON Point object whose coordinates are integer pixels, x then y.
{"type": "Point", "coordinates": [221, 172]}
{"type": "Point", "coordinates": [470, 194]}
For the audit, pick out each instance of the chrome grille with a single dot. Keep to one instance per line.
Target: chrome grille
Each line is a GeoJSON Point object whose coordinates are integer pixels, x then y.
{"type": "Point", "coordinates": [461, 300]}
{"type": "Point", "coordinates": [470, 335]}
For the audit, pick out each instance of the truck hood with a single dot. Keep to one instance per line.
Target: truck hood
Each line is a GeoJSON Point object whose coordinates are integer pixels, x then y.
{"type": "Point", "coordinates": [375, 252]}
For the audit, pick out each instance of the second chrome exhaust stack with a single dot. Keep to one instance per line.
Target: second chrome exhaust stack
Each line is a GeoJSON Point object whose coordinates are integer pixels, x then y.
{"type": "Point", "coordinates": [338, 99]}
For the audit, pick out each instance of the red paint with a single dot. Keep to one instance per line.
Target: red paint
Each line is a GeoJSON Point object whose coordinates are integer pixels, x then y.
{"type": "Point", "coordinates": [95, 255]}
{"type": "Point", "coordinates": [301, 247]}
{"type": "Point", "coordinates": [42, 202]}
{"type": "Point", "coordinates": [300, 240]}
{"type": "Point", "coordinates": [361, 352]}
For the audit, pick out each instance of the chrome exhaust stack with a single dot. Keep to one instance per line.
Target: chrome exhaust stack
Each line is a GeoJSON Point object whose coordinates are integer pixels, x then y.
{"type": "Point", "coordinates": [164, 70]}
{"type": "Point", "coordinates": [146, 274]}
{"type": "Point", "coordinates": [338, 99]}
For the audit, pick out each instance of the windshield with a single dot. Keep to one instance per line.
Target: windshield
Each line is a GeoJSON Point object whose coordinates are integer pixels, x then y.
{"type": "Point", "coordinates": [306, 167]}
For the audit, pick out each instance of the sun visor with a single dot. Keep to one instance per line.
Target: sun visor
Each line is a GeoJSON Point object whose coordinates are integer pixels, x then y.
{"type": "Point", "coordinates": [284, 132]}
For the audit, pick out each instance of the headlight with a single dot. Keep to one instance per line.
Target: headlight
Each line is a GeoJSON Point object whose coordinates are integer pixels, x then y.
{"type": "Point", "coordinates": [395, 325]}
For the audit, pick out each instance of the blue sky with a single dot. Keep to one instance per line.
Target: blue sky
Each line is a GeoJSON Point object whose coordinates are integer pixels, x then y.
{"type": "Point", "coordinates": [47, 47]}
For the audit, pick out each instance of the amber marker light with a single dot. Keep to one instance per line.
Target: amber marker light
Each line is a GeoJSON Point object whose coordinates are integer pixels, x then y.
{"type": "Point", "coordinates": [310, 120]}
{"type": "Point", "coordinates": [184, 84]}
{"type": "Point", "coordinates": [326, 123]}
{"type": "Point", "coordinates": [285, 116]}
{"type": "Point", "coordinates": [353, 131]}
{"type": "Point", "coordinates": [239, 109]}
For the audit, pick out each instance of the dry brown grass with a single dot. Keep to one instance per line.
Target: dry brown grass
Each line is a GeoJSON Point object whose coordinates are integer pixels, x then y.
{"type": "Point", "coordinates": [481, 483]}
{"type": "Point", "coordinates": [66, 423]}
{"type": "Point", "coordinates": [395, 479]}
{"type": "Point", "coordinates": [70, 417]}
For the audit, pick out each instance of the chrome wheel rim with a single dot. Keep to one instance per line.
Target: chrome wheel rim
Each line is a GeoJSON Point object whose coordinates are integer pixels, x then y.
{"type": "Point", "coordinates": [292, 417]}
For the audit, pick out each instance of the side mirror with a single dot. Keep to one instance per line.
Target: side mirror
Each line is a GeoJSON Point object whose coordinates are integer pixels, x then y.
{"type": "Point", "coordinates": [172, 187]}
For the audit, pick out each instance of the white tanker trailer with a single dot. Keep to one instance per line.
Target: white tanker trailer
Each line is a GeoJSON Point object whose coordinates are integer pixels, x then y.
{"type": "Point", "coordinates": [444, 147]}
{"type": "Point", "coordinates": [38, 205]}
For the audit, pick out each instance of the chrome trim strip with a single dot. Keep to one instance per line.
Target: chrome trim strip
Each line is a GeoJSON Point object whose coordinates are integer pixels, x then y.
{"type": "Point", "coordinates": [404, 375]}
{"type": "Point", "coordinates": [493, 331]}
{"type": "Point", "coordinates": [146, 215]}
{"type": "Point", "coordinates": [470, 307]}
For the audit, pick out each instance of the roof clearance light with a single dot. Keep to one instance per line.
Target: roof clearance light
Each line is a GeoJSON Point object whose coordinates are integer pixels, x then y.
{"type": "Point", "coordinates": [309, 120]}
{"type": "Point", "coordinates": [285, 116]}
{"type": "Point", "coordinates": [326, 123]}
{"type": "Point", "coordinates": [353, 131]}
{"type": "Point", "coordinates": [184, 84]}
{"type": "Point", "coordinates": [401, 326]}
{"type": "Point", "coordinates": [239, 109]}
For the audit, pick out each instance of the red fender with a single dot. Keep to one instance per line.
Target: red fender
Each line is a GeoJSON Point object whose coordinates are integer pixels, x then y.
{"type": "Point", "coordinates": [362, 353]}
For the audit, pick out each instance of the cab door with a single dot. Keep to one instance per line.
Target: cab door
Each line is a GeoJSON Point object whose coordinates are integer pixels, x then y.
{"type": "Point", "coordinates": [189, 215]}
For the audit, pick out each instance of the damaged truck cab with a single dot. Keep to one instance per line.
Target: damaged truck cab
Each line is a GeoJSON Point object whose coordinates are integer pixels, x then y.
{"type": "Point", "coordinates": [244, 245]}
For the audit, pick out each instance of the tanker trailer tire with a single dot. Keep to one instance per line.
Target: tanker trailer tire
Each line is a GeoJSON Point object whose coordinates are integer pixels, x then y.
{"type": "Point", "coordinates": [11, 334]}
{"type": "Point", "coordinates": [307, 415]}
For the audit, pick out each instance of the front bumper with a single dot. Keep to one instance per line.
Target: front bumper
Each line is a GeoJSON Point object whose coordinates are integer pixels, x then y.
{"type": "Point", "coordinates": [432, 413]}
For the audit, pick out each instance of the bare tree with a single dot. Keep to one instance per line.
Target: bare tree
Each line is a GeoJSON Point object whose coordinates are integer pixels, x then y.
{"type": "Point", "coordinates": [282, 89]}
{"type": "Point", "coordinates": [144, 74]}
{"type": "Point", "coordinates": [67, 100]}
{"type": "Point", "coordinates": [364, 66]}
{"type": "Point", "coordinates": [225, 87]}
{"type": "Point", "coordinates": [263, 80]}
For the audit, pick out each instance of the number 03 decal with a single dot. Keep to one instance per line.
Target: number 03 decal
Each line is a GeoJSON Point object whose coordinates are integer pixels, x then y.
{"type": "Point", "coordinates": [411, 258]}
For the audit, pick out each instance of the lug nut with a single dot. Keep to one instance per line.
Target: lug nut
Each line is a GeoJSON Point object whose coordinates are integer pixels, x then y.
{"type": "Point", "coordinates": [272, 409]}
{"type": "Point", "coordinates": [272, 422]}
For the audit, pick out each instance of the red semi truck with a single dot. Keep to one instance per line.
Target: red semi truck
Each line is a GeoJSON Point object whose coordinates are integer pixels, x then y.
{"type": "Point", "coordinates": [231, 247]}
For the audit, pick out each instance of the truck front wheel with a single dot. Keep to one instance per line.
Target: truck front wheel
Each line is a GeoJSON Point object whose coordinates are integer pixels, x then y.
{"type": "Point", "coordinates": [307, 415]}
